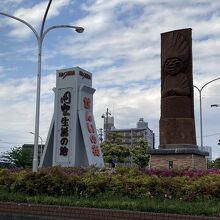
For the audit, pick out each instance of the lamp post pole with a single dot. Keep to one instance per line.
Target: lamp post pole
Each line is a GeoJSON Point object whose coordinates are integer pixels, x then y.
{"type": "Point", "coordinates": [40, 38]}
{"type": "Point", "coordinates": [200, 106]}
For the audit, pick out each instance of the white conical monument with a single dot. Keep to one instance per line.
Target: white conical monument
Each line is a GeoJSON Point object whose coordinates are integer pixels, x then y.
{"type": "Point", "coordinates": [72, 139]}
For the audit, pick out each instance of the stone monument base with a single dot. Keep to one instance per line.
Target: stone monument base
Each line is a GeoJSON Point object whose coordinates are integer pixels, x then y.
{"type": "Point", "coordinates": [179, 158]}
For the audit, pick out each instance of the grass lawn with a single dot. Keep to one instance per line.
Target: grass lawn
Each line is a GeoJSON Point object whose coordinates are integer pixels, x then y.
{"type": "Point", "coordinates": [161, 205]}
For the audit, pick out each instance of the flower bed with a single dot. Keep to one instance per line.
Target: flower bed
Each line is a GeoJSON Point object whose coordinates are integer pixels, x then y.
{"type": "Point", "coordinates": [188, 185]}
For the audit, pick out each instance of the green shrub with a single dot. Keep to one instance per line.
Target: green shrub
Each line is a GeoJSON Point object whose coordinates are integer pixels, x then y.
{"type": "Point", "coordinates": [121, 181]}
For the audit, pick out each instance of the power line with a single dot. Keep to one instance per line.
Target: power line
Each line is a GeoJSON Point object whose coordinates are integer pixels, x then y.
{"type": "Point", "coordinates": [209, 135]}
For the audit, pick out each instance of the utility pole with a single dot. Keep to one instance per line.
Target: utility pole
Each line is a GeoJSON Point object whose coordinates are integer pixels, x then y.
{"type": "Point", "coordinates": [106, 125]}
{"type": "Point", "coordinates": [101, 134]}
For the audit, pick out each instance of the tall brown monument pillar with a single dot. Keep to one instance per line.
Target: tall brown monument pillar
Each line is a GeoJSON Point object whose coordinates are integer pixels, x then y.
{"type": "Point", "coordinates": [177, 147]}
{"type": "Point", "coordinates": [177, 127]}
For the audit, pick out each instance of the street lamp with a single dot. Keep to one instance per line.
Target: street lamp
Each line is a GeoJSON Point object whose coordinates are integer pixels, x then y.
{"type": "Point", "coordinates": [215, 105]}
{"type": "Point", "coordinates": [41, 143]}
{"type": "Point", "coordinates": [200, 106]}
{"type": "Point", "coordinates": [40, 37]}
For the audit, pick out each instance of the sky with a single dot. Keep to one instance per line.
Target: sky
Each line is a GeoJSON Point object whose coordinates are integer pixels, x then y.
{"type": "Point", "coordinates": [120, 46]}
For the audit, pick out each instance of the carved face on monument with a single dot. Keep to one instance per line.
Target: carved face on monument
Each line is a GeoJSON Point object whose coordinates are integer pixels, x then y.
{"type": "Point", "coordinates": [173, 66]}
{"type": "Point", "coordinates": [175, 54]}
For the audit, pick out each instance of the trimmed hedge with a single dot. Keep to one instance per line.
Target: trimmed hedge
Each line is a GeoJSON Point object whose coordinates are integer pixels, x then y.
{"type": "Point", "coordinates": [185, 185]}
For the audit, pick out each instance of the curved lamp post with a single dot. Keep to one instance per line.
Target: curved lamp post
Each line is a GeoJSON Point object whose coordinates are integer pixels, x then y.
{"type": "Point", "coordinates": [40, 37]}
{"type": "Point", "coordinates": [200, 106]}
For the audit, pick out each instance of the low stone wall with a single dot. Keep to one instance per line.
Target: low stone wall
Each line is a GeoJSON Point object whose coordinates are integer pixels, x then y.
{"type": "Point", "coordinates": [17, 211]}
{"type": "Point", "coordinates": [180, 161]}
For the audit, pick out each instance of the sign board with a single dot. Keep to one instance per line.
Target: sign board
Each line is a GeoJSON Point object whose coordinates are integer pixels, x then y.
{"type": "Point", "coordinates": [88, 127]}
{"type": "Point", "coordinates": [75, 141]}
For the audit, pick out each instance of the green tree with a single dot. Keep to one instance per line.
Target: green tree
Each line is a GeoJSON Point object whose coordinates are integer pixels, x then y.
{"type": "Point", "coordinates": [139, 153]}
{"type": "Point", "coordinates": [18, 157]}
{"type": "Point", "coordinates": [215, 163]}
{"type": "Point", "coordinates": [114, 150]}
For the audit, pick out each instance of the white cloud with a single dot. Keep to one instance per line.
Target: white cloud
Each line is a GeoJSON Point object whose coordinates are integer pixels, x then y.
{"type": "Point", "coordinates": [128, 104]}
{"type": "Point", "coordinates": [1, 70]}
{"type": "Point", "coordinates": [136, 46]}
{"type": "Point", "coordinates": [33, 16]}
{"type": "Point", "coordinates": [121, 46]}
{"type": "Point", "coordinates": [17, 112]}
{"type": "Point", "coordinates": [6, 4]}
{"type": "Point", "coordinates": [11, 1]}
